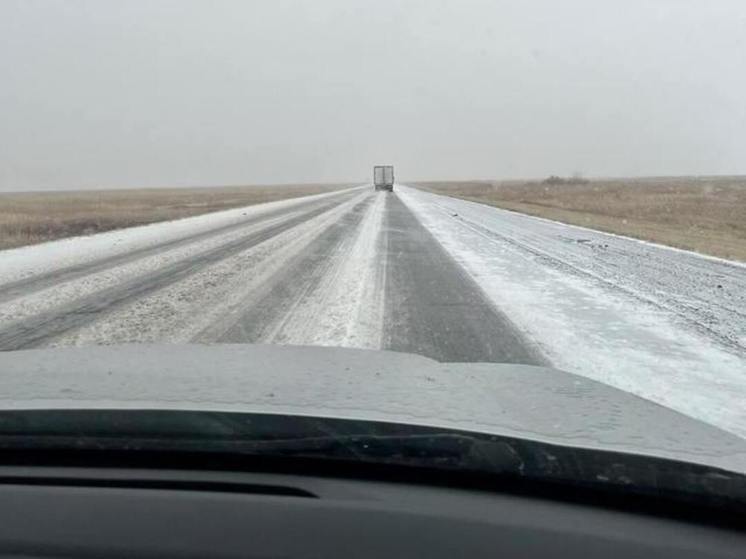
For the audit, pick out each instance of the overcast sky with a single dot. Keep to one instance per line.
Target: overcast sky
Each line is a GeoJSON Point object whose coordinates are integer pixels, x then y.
{"type": "Point", "coordinates": [185, 92]}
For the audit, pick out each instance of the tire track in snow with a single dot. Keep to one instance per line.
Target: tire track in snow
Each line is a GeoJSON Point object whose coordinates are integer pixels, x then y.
{"type": "Point", "coordinates": [255, 215]}
{"type": "Point", "coordinates": [260, 313]}
{"type": "Point", "coordinates": [196, 306]}
{"type": "Point", "coordinates": [44, 327]}
{"type": "Point", "coordinates": [346, 309]}
{"type": "Point", "coordinates": [706, 294]}
{"type": "Point", "coordinates": [682, 310]}
{"type": "Point", "coordinates": [83, 285]}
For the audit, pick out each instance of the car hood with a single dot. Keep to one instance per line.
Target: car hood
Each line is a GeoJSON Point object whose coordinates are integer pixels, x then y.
{"type": "Point", "coordinates": [528, 402]}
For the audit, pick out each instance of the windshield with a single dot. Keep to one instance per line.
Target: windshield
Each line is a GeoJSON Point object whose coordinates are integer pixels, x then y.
{"type": "Point", "coordinates": [550, 194]}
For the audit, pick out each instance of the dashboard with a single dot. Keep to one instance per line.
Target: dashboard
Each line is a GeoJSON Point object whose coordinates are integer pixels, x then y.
{"type": "Point", "coordinates": [121, 512]}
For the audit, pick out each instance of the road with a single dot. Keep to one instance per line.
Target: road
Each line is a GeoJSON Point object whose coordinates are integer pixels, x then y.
{"type": "Point", "coordinates": [353, 269]}
{"type": "Point", "coordinates": [408, 271]}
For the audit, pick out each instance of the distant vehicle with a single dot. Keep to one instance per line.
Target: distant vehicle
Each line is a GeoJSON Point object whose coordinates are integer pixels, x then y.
{"type": "Point", "coordinates": [383, 177]}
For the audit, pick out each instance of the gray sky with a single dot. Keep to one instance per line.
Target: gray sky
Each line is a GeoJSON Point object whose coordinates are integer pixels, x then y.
{"type": "Point", "coordinates": [184, 92]}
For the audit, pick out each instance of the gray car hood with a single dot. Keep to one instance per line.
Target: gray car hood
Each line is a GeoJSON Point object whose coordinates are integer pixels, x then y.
{"type": "Point", "coordinates": [503, 399]}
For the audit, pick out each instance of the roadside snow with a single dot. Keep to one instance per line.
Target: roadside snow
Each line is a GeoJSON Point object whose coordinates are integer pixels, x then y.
{"type": "Point", "coordinates": [636, 316]}
{"type": "Point", "coordinates": [25, 262]}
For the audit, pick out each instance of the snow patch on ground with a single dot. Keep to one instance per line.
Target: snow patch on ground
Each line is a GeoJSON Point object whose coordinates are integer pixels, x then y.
{"type": "Point", "coordinates": [593, 313]}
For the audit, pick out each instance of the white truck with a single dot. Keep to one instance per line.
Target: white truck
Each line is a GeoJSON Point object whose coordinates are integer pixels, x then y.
{"type": "Point", "coordinates": [383, 177]}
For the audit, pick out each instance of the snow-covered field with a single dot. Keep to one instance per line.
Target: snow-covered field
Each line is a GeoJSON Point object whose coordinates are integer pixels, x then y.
{"type": "Point", "coordinates": [665, 324]}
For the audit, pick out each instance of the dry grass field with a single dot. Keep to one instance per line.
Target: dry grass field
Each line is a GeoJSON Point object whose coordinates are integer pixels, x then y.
{"type": "Point", "coordinates": [704, 214]}
{"type": "Point", "coordinates": [34, 217]}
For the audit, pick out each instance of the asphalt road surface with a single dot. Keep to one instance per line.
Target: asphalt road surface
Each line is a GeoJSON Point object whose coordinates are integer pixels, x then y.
{"type": "Point", "coordinates": [352, 269]}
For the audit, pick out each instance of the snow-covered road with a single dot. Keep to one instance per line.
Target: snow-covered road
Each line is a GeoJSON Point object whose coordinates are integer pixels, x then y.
{"type": "Point", "coordinates": [665, 324]}
{"type": "Point", "coordinates": [412, 271]}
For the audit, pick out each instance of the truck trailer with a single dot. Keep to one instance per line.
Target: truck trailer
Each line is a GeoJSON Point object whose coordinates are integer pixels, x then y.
{"type": "Point", "coordinates": [383, 177]}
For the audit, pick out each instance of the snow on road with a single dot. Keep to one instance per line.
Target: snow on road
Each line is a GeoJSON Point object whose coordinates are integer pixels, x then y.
{"type": "Point", "coordinates": [346, 310]}
{"type": "Point", "coordinates": [664, 324]}
{"type": "Point", "coordinates": [67, 292]}
{"type": "Point", "coordinates": [26, 262]}
{"type": "Point", "coordinates": [210, 297]}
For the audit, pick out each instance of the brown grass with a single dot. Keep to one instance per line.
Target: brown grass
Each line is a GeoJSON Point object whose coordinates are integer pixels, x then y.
{"type": "Point", "coordinates": [34, 217]}
{"type": "Point", "coordinates": [704, 214]}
